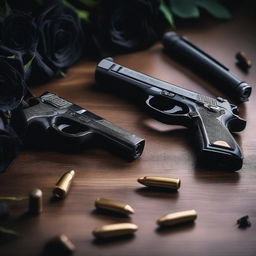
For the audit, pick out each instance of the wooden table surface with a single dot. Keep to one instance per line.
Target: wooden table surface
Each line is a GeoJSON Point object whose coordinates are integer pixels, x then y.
{"type": "Point", "coordinates": [220, 198]}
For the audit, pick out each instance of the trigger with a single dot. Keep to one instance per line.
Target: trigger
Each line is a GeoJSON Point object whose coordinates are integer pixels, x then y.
{"type": "Point", "coordinates": [234, 109]}
{"type": "Point", "coordinates": [175, 110]}
{"type": "Point", "coordinates": [61, 127]}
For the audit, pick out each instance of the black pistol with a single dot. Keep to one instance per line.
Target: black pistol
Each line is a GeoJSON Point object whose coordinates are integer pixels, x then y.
{"type": "Point", "coordinates": [206, 66]}
{"type": "Point", "coordinates": [212, 118]}
{"type": "Point", "coordinates": [60, 124]}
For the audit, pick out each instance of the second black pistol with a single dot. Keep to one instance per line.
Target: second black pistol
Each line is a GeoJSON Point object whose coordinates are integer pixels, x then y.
{"type": "Point", "coordinates": [58, 123]}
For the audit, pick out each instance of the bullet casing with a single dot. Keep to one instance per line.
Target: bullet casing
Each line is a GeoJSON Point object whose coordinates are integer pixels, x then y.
{"type": "Point", "coordinates": [177, 218]}
{"type": "Point", "coordinates": [243, 60]}
{"type": "Point", "coordinates": [62, 187]}
{"type": "Point", "coordinates": [35, 201]}
{"type": "Point", "coordinates": [113, 230]}
{"type": "Point", "coordinates": [110, 205]}
{"type": "Point", "coordinates": [160, 182]}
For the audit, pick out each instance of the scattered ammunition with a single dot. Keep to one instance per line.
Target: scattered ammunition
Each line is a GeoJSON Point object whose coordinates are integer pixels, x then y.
{"type": "Point", "coordinates": [35, 201]}
{"type": "Point", "coordinates": [177, 218]}
{"type": "Point", "coordinates": [243, 61]}
{"type": "Point", "coordinates": [62, 187]}
{"type": "Point", "coordinates": [112, 230]}
{"type": "Point", "coordinates": [106, 204]}
{"type": "Point", "coordinates": [243, 222]}
{"type": "Point", "coordinates": [59, 245]}
{"type": "Point", "coordinates": [4, 210]}
{"type": "Point", "coordinates": [160, 182]}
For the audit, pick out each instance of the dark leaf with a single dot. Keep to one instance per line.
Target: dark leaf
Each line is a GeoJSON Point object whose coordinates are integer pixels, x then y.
{"type": "Point", "coordinates": [166, 12]}
{"type": "Point", "coordinates": [8, 231]}
{"type": "Point", "coordinates": [216, 9]}
{"type": "Point", "coordinates": [28, 64]}
{"type": "Point", "coordinates": [5, 9]}
{"type": "Point", "coordinates": [89, 3]}
{"type": "Point", "coordinates": [40, 2]}
{"type": "Point", "coordinates": [60, 74]}
{"type": "Point", "coordinates": [82, 14]}
{"type": "Point", "coordinates": [185, 8]}
{"type": "Point", "coordinates": [13, 198]}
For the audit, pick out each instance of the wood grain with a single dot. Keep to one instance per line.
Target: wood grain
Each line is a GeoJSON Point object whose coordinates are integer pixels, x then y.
{"type": "Point", "coordinates": [220, 198]}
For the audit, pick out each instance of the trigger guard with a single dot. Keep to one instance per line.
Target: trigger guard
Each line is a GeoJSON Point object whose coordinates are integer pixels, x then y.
{"type": "Point", "coordinates": [74, 132]}
{"type": "Point", "coordinates": [179, 118]}
{"type": "Point", "coordinates": [62, 126]}
{"type": "Point", "coordinates": [164, 108]}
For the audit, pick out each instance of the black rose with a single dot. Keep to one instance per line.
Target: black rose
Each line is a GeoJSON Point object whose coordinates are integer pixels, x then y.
{"type": "Point", "coordinates": [12, 84]}
{"type": "Point", "coordinates": [61, 37]}
{"type": "Point", "coordinates": [9, 143]}
{"type": "Point", "coordinates": [28, 6]}
{"type": "Point", "coordinates": [125, 26]}
{"type": "Point", "coordinates": [19, 32]}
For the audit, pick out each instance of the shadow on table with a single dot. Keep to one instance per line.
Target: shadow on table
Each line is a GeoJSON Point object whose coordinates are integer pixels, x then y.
{"type": "Point", "coordinates": [162, 231]}
{"type": "Point", "coordinates": [113, 240]}
{"type": "Point", "coordinates": [100, 213]}
{"type": "Point", "coordinates": [8, 238]}
{"type": "Point", "coordinates": [216, 176]}
{"type": "Point", "coordinates": [158, 193]}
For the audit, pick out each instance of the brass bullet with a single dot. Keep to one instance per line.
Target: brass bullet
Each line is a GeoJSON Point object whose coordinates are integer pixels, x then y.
{"type": "Point", "coordinates": [177, 218]}
{"type": "Point", "coordinates": [59, 245]}
{"type": "Point", "coordinates": [160, 182]}
{"type": "Point", "coordinates": [110, 205]}
{"type": "Point", "coordinates": [62, 187]}
{"type": "Point", "coordinates": [113, 230]}
{"type": "Point", "coordinates": [35, 201]}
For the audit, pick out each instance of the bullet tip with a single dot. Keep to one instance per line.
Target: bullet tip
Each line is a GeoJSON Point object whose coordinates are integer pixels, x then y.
{"type": "Point", "coordinates": [141, 179]}
{"type": "Point", "coordinates": [72, 172]}
{"type": "Point", "coordinates": [36, 192]}
{"type": "Point", "coordinates": [129, 209]}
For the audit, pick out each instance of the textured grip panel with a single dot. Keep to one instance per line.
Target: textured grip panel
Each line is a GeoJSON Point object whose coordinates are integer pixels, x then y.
{"type": "Point", "coordinates": [215, 130]}
{"type": "Point", "coordinates": [216, 144]}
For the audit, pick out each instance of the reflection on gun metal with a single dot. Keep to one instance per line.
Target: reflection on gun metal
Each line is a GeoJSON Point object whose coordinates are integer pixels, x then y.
{"type": "Point", "coordinates": [59, 124]}
{"type": "Point", "coordinates": [211, 119]}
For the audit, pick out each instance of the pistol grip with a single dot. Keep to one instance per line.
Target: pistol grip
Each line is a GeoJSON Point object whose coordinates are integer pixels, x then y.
{"type": "Point", "coordinates": [216, 143]}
